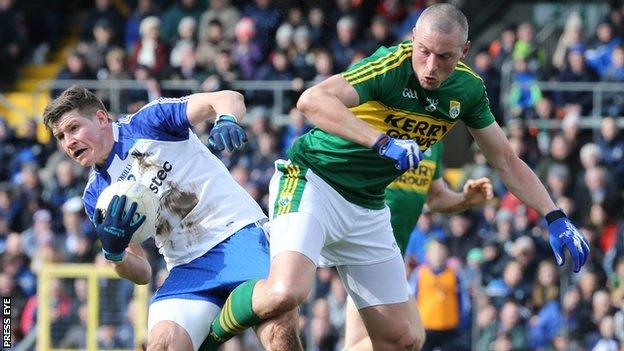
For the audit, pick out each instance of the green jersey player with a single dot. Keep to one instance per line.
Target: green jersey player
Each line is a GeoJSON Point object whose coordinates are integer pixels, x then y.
{"type": "Point", "coordinates": [327, 202]}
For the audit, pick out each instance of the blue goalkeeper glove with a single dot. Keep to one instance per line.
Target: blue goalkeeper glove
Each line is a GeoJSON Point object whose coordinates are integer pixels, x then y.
{"type": "Point", "coordinates": [563, 233]}
{"type": "Point", "coordinates": [115, 229]}
{"type": "Point", "coordinates": [405, 153]}
{"type": "Point", "coordinates": [226, 134]}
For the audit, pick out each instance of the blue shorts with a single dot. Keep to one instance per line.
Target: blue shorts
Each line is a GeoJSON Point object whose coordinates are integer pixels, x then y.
{"type": "Point", "coordinates": [212, 276]}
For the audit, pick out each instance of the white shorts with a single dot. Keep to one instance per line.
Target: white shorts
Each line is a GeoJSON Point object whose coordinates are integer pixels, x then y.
{"type": "Point", "coordinates": [310, 217]}
{"type": "Point", "coordinates": [194, 316]}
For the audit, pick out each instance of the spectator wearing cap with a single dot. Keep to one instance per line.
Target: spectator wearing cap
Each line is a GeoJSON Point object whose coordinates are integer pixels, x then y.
{"type": "Point", "coordinates": [103, 9]}
{"type": "Point", "coordinates": [471, 272]}
{"type": "Point", "coordinates": [150, 51]}
{"type": "Point", "coordinates": [576, 70]}
{"type": "Point", "coordinates": [223, 12]}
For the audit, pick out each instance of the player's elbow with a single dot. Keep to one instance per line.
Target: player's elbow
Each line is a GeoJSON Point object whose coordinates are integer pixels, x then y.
{"type": "Point", "coordinates": [308, 101]}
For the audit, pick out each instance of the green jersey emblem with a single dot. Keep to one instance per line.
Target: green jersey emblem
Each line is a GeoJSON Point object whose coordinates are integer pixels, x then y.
{"type": "Point", "coordinates": [454, 109]}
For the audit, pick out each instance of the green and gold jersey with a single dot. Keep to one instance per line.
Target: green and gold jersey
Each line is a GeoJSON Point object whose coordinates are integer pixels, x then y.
{"type": "Point", "coordinates": [407, 194]}
{"type": "Point", "coordinates": [393, 102]}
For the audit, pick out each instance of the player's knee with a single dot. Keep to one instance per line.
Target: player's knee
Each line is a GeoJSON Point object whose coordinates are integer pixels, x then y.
{"type": "Point", "coordinates": [286, 297]}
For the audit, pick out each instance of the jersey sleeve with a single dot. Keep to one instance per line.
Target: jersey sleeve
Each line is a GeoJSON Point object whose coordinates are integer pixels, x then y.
{"type": "Point", "coordinates": [479, 116]}
{"type": "Point", "coordinates": [381, 71]}
{"type": "Point", "coordinates": [162, 119]}
{"type": "Point", "coordinates": [439, 170]}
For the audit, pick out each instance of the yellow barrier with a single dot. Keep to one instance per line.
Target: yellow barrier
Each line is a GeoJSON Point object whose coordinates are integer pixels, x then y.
{"type": "Point", "coordinates": [93, 274]}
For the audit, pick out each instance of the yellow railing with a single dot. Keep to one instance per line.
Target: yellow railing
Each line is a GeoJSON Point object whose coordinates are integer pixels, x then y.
{"type": "Point", "coordinates": [92, 274]}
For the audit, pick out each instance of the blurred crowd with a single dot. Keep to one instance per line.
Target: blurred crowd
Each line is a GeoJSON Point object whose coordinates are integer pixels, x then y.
{"type": "Point", "coordinates": [511, 294]}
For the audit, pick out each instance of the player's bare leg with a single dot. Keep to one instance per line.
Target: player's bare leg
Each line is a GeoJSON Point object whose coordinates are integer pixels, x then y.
{"type": "Point", "coordinates": [281, 333]}
{"type": "Point", "coordinates": [357, 339]}
{"type": "Point", "coordinates": [355, 330]}
{"type": "Point", "coordinates": [393, 327]}
{"type": "Point", "coordinates": [168, 336]}
{"type": "Point", "coordinates": [289, 282]}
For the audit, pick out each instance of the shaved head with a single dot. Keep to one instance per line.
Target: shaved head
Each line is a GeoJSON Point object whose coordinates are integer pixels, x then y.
{"type": "Point", "coordinates": [444, 18]}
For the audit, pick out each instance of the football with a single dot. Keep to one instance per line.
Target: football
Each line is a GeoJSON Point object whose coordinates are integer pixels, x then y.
{"type": "Point", "coordinates": [147, 204]}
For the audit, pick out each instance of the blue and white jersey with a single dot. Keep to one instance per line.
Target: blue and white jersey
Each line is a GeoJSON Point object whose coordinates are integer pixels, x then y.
{"type": "Point", "coordinates": [200, 203]}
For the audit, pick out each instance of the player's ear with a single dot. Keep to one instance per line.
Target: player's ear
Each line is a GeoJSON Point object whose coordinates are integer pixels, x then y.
{"type": "Point", "coordinates": [465, 49]}
{"type": "Point", "coordinates": [101, 117]}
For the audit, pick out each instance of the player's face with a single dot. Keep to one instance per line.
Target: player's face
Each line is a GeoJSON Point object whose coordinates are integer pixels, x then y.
{"type": "Point", "coordinates": [83, 138]}
{"type": "Point", "coordinates": [436, 54]}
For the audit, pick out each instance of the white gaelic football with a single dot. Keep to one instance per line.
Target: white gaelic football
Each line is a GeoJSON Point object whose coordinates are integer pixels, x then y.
{"type": "Point", "coordinates": [147, 204]}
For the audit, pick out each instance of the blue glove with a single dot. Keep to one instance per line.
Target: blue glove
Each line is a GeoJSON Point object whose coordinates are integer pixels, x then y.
{"type": "Point", "coordinates": [226, 134]}
{"type": "Point", "coordinates": [563, 233]}
{"type": "Point", "coordinates": [405, 153]}
{"type": "Point", "coordinates": [115, 229]}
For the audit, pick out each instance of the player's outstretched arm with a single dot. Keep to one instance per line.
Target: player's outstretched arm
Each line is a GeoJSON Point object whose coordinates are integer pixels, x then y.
{"type": "Point", "coordinates": [204, 106]}
{"type": "Point", "coordinates": [327, 105]}
{"type": "Point", "coordinates": [525, 185]}
{"type": "Point", "coordinates": [442, 199]}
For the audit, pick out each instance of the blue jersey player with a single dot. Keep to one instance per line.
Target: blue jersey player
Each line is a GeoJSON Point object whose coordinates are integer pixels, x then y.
{"type": "Point", "coordinates": [209, 229]}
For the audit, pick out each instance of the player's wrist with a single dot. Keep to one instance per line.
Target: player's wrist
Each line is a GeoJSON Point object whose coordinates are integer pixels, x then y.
{"type": "Point", "coordinates": [226, 117]}
{"type": "Point", "coordinates": [554, 215]}
{"type": "Point", "coordinates": [381, 141]}
{"type": "Point", "coordinates": [114, 257]}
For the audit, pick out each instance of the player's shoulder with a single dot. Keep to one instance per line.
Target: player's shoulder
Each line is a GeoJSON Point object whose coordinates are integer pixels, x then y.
{"type": "Point", "coordinates": [383, 59]}
{"type": "Point", "coordinates": [466, 74]}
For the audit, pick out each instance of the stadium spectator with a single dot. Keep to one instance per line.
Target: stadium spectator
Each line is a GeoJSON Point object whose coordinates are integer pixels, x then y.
{"type": "Point", "coordinates": [267, 19]}
{"type": "Point", "coordinates": [210, 44]}
{"type": "Point", "coordinates": [572, 36]}
{"type": "Point", "coordinates": [613, 104]}
{"type": "Point", "coordinates": [439, 296]}
{"type": "Point", "coordinates": [323, 65]}
{"type": "Point", "coordinates": [598, 54]}
{"type": "Point", "coordinates": [611, 144]}
{"type": "Point", "coordinates": [508, 324]}
{"type": "Point", "coordinates": [150, 51]}
{"type": "Point", "coordinates": [576, 70]}
{"type": "Point", "coordinates": [491, 78]}
{"type": "Point", "coordinates": [525, 92]}
{"type": "Point", "coordinates": [103, 9]}
{"type": "Point", "coordinates": [246, 50]}
{"type": "Point", "coordinates": [302, 57]}
{"type": "Point", "coordinates": [114, 70]}
{"type": "Point", "coordinates": [380, 34]}
{"type": "Point", "coordinates": [12, 42]}
{"type": "Point", "coordinates": [185, 38]}
{"type": "Point", "coordinates": [319, 28]}
{"type": "Point", "coordinates": [345, 43]}
{"type": "Point", "coordinates": [296, 127]}
{"type": "Point", "coordinates": [76, 68]}
{"type": "Point", "coordinates": [223, 12]}
{"type": "Point", "coordinates": [95, 51]}
{"type": "Point", "coordinates": [172, 16]}
{"type": "Point", "coordinates": [143, 9]}
{"type": "Point", "coordinates": [278, 69]}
